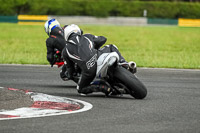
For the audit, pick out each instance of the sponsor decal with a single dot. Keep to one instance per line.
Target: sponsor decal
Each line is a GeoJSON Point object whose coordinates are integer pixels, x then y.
{"type": "Point", "coordinates": [91, 62]}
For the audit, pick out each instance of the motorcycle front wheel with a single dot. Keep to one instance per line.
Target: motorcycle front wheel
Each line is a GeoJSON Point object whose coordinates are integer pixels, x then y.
{"type": "Point", "coordinates": [135, 86]}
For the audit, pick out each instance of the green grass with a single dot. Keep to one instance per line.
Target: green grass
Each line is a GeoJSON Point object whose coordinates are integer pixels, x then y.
{"type": "Point", "coordinates": [21, 44]}
{"type": "Point", "coordinates": [152, 46]}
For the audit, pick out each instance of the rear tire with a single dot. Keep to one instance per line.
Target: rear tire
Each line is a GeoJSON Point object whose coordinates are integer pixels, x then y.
{"type": "Point", "coordinates": [135, 86]}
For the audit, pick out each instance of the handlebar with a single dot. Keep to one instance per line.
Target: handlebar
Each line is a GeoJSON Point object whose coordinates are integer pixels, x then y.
{"type": "Point", "coordinates": [58, 60]}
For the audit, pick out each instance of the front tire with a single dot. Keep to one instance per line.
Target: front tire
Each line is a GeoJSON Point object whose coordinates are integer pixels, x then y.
{"type": "Point", "coordinates": [135, 86]}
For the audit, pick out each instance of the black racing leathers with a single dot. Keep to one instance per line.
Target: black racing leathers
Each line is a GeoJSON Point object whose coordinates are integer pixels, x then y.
{"type": "Point", "coordinates": [55, 41]}
{"type": "Point", "coordinates": [83, 50]}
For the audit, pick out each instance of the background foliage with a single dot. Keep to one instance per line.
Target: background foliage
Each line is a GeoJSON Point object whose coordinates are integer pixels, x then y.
{"type": "Point", "coordinates": [103, 8]}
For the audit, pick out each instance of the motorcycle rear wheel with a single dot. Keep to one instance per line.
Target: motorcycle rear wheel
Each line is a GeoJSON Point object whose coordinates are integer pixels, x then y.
{"type": "Point", "coordinates": [135, 86]}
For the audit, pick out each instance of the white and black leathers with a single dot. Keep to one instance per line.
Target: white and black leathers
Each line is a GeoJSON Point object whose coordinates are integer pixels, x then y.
{"type": "Point", "coordinates": [84, 51]}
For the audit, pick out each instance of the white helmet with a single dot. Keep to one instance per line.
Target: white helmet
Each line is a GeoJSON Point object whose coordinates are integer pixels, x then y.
{"type": "Point", "coordinates": [50, 25]}
{"type": "Point", "coordinates": [71, 29]}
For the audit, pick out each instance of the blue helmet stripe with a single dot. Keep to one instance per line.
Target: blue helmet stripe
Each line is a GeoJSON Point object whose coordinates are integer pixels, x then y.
{"type": "Point", "coordinates": [54, 27]}
{"type": "Point", "coordinates": [50, 21]}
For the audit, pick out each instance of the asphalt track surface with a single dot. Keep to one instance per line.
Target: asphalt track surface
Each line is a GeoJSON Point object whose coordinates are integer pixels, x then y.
{"type": "Point", "coordinates": [171, 106]}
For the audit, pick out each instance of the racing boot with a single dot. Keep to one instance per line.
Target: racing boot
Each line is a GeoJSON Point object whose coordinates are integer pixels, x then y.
{"type": "Point", "coordinates": [89, 89]}
{"type": "Point", "coordinates": [106, 89]}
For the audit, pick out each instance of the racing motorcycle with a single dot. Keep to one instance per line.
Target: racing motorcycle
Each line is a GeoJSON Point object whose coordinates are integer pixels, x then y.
{"type": "Point", "coordinates": [120, 79]}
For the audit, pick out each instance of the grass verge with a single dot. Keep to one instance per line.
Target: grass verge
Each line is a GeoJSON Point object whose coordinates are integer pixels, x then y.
{"type": "Point", "coordinates": [152, 46]}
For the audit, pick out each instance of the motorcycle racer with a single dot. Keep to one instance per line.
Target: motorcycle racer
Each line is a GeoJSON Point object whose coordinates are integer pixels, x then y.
{"type": "Point", "coordinates": [54, 41]}
{"type": "Point", "coordinates": [84, 51]}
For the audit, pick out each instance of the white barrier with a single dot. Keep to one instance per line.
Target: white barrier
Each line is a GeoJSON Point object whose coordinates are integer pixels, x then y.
{"type": "Point", "coordinates": [104, 21]}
